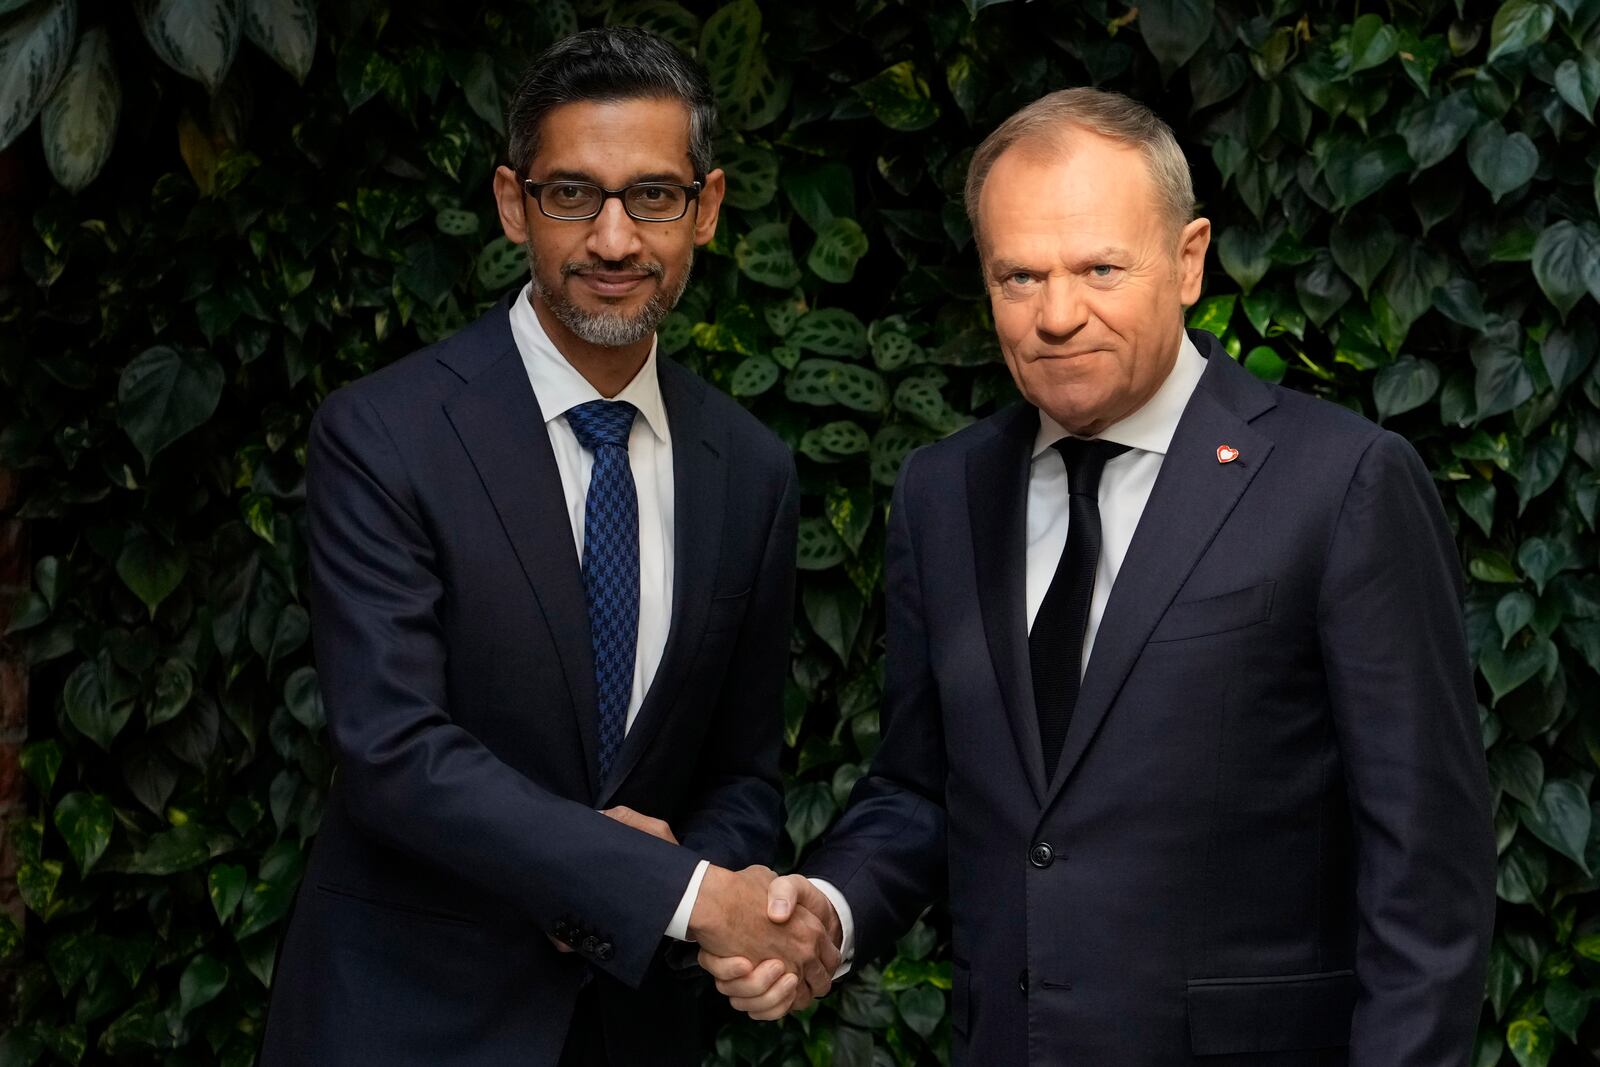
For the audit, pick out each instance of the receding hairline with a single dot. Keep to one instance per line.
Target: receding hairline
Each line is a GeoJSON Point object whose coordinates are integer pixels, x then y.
{"type": "Point", "coordinates": [1058, 144]}
{"type": "Point", "coordinates": [1047, 129]}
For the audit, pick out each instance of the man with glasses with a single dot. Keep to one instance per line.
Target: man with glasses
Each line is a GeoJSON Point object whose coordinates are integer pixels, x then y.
{"type": "Point", "coordinates": [552, 579]}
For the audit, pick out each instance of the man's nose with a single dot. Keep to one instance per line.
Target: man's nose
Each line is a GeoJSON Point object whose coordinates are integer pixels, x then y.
{"type": "Point", "coordinates": [1062, 311]}
{"type": "Point", "coordinates": [614, 234]}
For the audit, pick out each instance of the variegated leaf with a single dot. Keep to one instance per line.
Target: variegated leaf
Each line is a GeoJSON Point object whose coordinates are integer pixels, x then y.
{"type": "Point", "coordinates": [196, 38]}
{"type": "Point", "coordinates": [80, 118]}
{"type": "Point", "coordinates": [35, 48]}
{"type": "Point", "coordinates": [286, 30]}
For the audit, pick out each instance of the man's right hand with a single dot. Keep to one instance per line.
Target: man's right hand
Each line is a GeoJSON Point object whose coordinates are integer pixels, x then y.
{"type": "Point", "coordinates": [735, 918]}
{"type": "Point", "coordinates": [770, 989]}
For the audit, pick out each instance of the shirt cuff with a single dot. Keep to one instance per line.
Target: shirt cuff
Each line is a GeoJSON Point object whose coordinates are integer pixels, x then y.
{"type": "Point", "coordinates": [678, 928]}
{"type": "Point", "coordinates": [847, 924]}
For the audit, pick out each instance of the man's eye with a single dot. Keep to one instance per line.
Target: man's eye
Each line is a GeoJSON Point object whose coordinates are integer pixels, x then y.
{"type": "Point", "coordinates": [652, 192]}
{"type": "Point", "coordinates": [1103, 270]}
{"type": "Point", "coordinates": [1019, 277]}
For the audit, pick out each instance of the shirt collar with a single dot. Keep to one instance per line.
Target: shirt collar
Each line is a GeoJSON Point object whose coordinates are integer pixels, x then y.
{"type": "Point", "coordinates": [1150, 428]}
{"type": "Point", "coordinates": [560, 387]}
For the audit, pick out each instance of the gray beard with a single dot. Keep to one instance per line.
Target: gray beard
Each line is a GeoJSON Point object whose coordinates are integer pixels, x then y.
{"type": "Point", "coordinates": [610, 329]}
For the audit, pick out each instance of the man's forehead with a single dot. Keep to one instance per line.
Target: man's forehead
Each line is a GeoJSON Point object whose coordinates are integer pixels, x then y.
{"type": "Point", "coordinates": [1098, 195]}
{"type": "Point", "coordinates": [626, 137]}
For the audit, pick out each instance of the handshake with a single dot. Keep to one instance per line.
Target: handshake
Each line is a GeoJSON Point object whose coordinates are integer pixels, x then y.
{"type": "Point", "coordinates": [771, 943]}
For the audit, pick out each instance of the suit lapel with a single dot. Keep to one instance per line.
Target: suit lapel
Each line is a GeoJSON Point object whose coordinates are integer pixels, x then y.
{"type": "Point", "coordinates": [497, 418]}
{"type": "Point", "coordinates": [699, 482]}
{"type": "Point", "coordinates": [1192, 497]}
{"type": "Point", "coordinates": [997, 500]}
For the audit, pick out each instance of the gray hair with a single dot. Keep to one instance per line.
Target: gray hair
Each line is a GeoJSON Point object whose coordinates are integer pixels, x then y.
{"type": "Point", "coordinates": [1050, 121]}
{"type": "Point", "coordinates": [611, 63]}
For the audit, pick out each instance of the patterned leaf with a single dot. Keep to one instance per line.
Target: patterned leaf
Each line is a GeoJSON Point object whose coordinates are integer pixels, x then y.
{"type": "Point", "coordinates": [35, 50]}
{"type": "Point", "coordinates": [286, 30]}
{"type": "Point", "coordinates": [80, 118]}
{"type": "Point", "coordinates": [196, 38]}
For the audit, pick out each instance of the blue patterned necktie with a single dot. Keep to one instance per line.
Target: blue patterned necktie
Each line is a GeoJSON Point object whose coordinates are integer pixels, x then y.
{"type": "Point", "coordinates": [610, 562]}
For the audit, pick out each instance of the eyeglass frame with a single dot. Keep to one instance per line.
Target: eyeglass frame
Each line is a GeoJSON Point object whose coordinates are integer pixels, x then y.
{"type": "Point", "coordinates": [691, 195]}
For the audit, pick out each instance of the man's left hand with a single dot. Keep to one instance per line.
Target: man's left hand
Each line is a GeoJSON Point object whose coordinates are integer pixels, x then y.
{"type": "Point", "coordinates": [639, 821]}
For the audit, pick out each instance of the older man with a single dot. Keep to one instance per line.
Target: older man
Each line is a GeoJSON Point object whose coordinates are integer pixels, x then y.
{"type": "Point", "coordinates": [1179, 704]}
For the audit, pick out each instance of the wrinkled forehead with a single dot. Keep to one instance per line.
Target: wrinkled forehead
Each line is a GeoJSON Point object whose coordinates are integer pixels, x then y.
{"type": "Point", "coordinates": [1071, 191]}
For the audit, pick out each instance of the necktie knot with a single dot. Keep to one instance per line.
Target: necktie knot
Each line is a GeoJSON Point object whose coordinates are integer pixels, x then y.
{"type": "Point", "coordinates": [602, 422]}
{"type": "Point", "coordinates": [1085, 461]}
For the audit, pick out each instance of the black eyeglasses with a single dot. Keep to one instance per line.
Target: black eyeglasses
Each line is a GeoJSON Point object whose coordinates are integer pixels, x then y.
{"type": "Point", "coordinates": [581, 201]}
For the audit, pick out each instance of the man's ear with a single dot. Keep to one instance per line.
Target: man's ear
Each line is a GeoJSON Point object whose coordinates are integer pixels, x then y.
{"type": "Point", "coordinates": [512, 204]}
{"type": "Point", "coordinates": [711, 194]}
{"type": "Point", "coordinates": [1193, 241]}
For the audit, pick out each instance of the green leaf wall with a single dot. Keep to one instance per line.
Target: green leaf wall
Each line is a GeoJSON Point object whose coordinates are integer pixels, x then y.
{"type": "Point", "coordinates": [1405, 199]}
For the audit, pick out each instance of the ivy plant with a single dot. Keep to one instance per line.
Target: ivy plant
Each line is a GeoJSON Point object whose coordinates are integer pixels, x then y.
{"type": "Point", "coordinates": [1407, 215]}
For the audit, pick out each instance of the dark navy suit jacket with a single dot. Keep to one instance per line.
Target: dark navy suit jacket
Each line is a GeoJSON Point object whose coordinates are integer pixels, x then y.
{"type": "Point", "coordinates": [453, 650]}
{"type": "Point", "coordinates": [1268, 842]}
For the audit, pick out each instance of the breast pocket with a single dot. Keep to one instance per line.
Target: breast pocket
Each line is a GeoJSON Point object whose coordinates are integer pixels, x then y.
{"type": "Point", "coordinates": [726, 612]}
{"type": "Point", "coordinates": [1204, 616]}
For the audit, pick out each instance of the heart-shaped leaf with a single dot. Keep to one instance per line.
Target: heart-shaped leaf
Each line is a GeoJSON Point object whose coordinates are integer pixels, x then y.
{"type": "Point", "coordinates": [226, 883]}
{"type": "Point", "coordinates": [164, 393]}
{"type": "Point", "coordinates": [1506, 669]}
{"type": "Point", "coordinates": [1518, 770]}
{"type": "Point", "coordinates": [1372, 42]}
{"type": "Point", "coordinates": [900, 98]}
{"type": "Point", "coordinates": [1561, 819]}
{"type": "Point", "coordinates": [1532, 1041]}
{"type": "Point", "coordinates": [1174, 30]}
{"type": "Point", "coordinates": [1563, 255]}
{"type": "Point", "coordinates": [85, 821]}
{"type": "Point", "coordinates": [1502, 162]}
{"type": "Point", "coordinates": [1245, 255]}
{"type": "Point", "coordinates": [1436, 129]}
{"type": "Point", "coordinates": [1578, 82]}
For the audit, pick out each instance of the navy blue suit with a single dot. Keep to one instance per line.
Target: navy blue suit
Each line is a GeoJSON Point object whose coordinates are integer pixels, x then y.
{"type": "Point", "coordinates": [1268, 840]}
{"type": "Point", "coordinates": [453, 650]}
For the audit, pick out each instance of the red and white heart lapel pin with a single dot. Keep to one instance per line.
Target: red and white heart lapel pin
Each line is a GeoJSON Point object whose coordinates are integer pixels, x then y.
{"type": "Point", "coordinates": [1227, 453]}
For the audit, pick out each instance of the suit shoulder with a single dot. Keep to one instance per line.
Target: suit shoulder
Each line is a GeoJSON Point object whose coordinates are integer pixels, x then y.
{"type": "Point", "coordinates": [1322, 423]}
{"type": "Point", "coordinates": [746, 434]}
{"type": "Point", "coordinates": [949, 454]}
{"type": "Point", "coordinates": [431, 374]}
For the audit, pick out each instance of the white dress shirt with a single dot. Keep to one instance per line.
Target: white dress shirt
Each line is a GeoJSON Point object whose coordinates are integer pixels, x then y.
{"type": "Point", "coordinates": [1124, 490]}
{"type": "Point", "coordinates": [560, 388]}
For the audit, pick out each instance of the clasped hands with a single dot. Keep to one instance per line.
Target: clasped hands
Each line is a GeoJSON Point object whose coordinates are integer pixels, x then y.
{"type": "Point", "coordinates": [771, 943]}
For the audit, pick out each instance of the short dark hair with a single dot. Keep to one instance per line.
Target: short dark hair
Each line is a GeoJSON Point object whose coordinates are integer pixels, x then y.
{"type": "Point", "coordinates": [611, 63]}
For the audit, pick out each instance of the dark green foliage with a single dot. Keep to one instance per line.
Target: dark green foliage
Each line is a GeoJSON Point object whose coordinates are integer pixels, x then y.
{"type": "Point", "coordinates": [1406, 222]}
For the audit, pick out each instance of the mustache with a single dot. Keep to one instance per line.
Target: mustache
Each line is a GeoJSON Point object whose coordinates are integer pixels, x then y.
{"type": "Point", "coordinates": [579, 268]}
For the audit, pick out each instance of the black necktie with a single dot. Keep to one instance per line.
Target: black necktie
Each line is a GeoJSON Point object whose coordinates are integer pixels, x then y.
{"type": "Point", "coordinates": [1055, 644]}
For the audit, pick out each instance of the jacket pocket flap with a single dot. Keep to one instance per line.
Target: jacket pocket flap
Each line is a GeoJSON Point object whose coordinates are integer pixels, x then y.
{"type": "Point", "coordinates": [1273, 1014]}
{"type": "Point", "coordinates": [1216, 614]}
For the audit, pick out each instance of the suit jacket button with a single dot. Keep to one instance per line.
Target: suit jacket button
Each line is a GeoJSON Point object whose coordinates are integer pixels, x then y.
{"type": "Point", "coordinates": [590, 944]}
{"type": "Point", "coordinates": [1041, 855]}
{"type": "Point", "coordinates": [1022, 981]}
{"type": "Point", "coordinates": [604, 952]}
